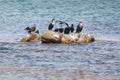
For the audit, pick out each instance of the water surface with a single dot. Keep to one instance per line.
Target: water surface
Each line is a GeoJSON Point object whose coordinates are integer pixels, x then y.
{"type": "Point", "coordinates": [37, 61]}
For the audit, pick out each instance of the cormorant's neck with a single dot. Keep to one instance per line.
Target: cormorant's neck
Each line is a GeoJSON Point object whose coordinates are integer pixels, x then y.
{"type": "Point", "coordinates": [53, 22]}
{"type": "Point", "coordinates": [81, 24]}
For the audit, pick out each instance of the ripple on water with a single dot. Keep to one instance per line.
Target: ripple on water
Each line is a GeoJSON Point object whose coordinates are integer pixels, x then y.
{"type": "Point", "coordinates": [62, 61]}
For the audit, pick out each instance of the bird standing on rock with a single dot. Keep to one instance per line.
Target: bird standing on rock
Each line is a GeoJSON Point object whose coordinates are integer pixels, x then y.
{"type": "Point", "coordinates": [72, 28]}
{"type": "Point", "coordinates": [61, 29]}
{"type": "Point", "coordinates": [33, 28]}
{"type": "Point", "coordinates": [67, 29]}
{"type": "Point", "coordinates": [28, 29]}
{"type": "Point", "coordinates": [79, 27]}
{"type": "Point", "coordinates": [51, 25]}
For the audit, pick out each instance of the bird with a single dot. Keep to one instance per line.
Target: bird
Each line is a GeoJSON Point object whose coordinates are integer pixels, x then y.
{"type": "Point", "coordinates": [28, 29]}
{"type": "Point", "coordinates": [59, 29]}
{"type": "Point", "coordinates": [51, 25]}
{"type": "Point", "coordinates": [79, 27]}
{"type": "Point", "coordinates": [56, 30]}
{"type": "Point", "coordinates": [72, 28]}
{"type": "Point", "coordinates": [33, 28]}
{"type": "Point", "coordinates": [67, 29]}
{"type": "Point", "coordinates": [37, 31]}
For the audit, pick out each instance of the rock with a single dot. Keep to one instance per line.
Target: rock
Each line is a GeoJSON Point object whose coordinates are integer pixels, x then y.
{"type": "Point", "coordinates": [85, 38]}
{"type": "Point", "coordinates": [74, 36]}
{"type": "Point", "coordinates": [31, 37]}
{"type": "Point", "coordinates": [66, 39]}
{"type": "Point", "coordinates": [56, 37]}
{"type": "Point", "coordinates": [51, 37]}
{"type": "Point", "coordinates": [69, 38]}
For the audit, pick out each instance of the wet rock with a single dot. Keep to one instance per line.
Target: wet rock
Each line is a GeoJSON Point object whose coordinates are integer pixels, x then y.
{"type": "Point", "coordinates": [56, 37]}
{"type": "Point", "coordinates": [66, 39]}
{"type": "Point", "coordinates": [51, 37]}
{"type": "Point", "coordinates": [85, 38]}
{"type": "Point", "coordinates": [69, 38]}
{"type": "Point", "coordinates": [31, 37]}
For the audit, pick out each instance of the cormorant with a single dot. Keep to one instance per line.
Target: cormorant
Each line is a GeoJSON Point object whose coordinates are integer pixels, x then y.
{"type": "Point", "coordinates": [51, 24]}
{"type": "Point", "coordinates": [72, 28]}
{"type": "Point", "coordinates": [59, 29]}
{"type": "Point", "coordinates": [79, 27]}
{"type": "Point", "coordinates": [28, 29]}
{"type": "Point", "coordinates": [56, 30]}
{"type": "Point", "coordinates": [67, 29]}
{"type": "Point", "coordinates": [33, 28]}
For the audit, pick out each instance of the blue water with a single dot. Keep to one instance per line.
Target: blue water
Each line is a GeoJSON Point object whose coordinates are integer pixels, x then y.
{"type": "Point", "coordinates": [101, 19]}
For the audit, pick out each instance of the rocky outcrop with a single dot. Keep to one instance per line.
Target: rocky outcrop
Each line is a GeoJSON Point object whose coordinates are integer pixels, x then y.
{"type": "Point", "coordinates": [56, 37]}
{"type": "Point", "coordinates": [51, 37]}
{"type": "Point", "coordinates": [85, 38]}
{"type": "Point", "coordinates": [31, 37]}
{"type": "Point", "coordinates": [69, 38]}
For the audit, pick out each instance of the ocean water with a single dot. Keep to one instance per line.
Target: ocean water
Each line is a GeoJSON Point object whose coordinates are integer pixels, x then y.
{"type": "Point", "coordinates": [36, 61]}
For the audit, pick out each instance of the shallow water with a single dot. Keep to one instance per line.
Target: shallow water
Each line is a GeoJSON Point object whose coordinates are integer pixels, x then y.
{"type": "Point", "coordinates": [55, 61]}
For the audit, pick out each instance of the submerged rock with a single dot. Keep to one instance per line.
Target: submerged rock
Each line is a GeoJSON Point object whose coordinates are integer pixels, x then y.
{"type": "Point", "coordinates": [31, 37]}
{"type": "Point", "coordinates": [56, 37]}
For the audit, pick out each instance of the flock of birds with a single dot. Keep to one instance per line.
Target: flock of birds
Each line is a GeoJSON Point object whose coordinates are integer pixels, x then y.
{"type": "Point", "coordinates": [66, 30]}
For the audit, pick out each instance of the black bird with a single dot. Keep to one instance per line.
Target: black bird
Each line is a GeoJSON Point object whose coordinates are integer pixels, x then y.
{"type": "Point", "coordinates": [33, 28]}
{"type": "Point", "coordinates": [59, 29]}
{"type": "Point", "coordinates": [67, 29]}
{"type": "Point", "coordinates": [72, 28]}
{"type": "Point", "coordinates": [28, 29]}
{"type": "Point", "coordinates": [51, 24]}
{"type": "Point", "coordinates": [37, 31]}
{"type": "Point", "coordinates": [79, 27]}
{"type": "Point", "coordinates": [56, 30]}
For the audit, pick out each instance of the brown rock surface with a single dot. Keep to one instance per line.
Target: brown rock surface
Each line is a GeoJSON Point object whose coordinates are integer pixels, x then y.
{"type": "Point", "coordinates": [85, 38]}
{"type": "Point", "coordinates": [51, 37]}
{"type": "Point", "coordinates": [56, 37]}
{"type": "Point", "coordinates": [31, 37]}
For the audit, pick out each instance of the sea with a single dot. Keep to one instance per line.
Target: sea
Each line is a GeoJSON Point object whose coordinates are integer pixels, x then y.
{"type": "Point", "coordinates": [40, 61]}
